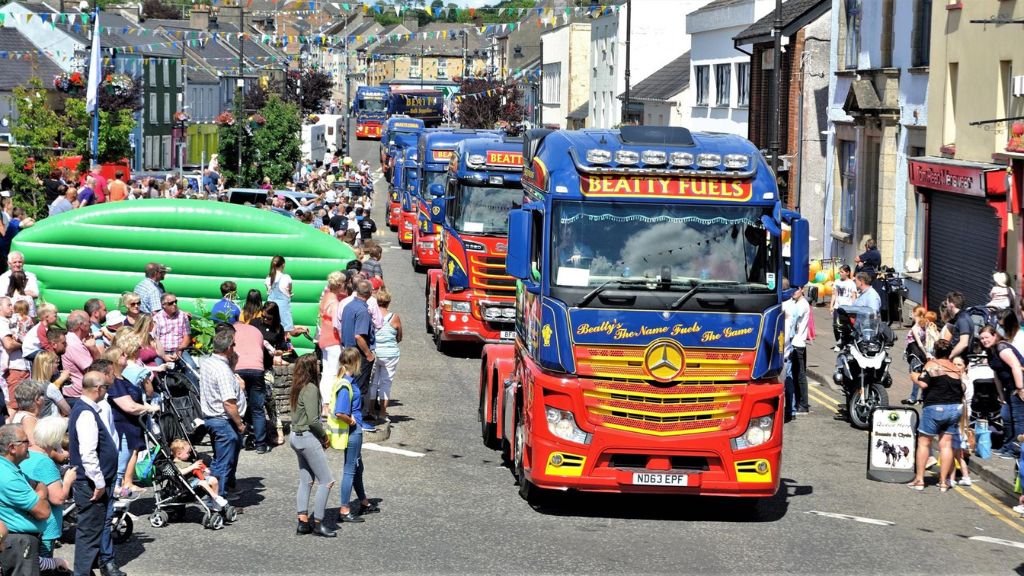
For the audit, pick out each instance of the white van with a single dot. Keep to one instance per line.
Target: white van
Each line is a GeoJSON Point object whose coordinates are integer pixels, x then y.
{"type": "Point", "coordinates": [314, 142]}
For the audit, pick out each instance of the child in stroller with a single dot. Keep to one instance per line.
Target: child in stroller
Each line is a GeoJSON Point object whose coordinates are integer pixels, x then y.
{"type": "Point", "coordinates": [197, 473]}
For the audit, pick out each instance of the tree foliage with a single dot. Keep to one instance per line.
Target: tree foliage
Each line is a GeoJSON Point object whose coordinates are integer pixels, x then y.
{"type": "Point", "coordinates": [485, 103]}
{"type": "Point", "coordinates": [157, 9]}
{"type": "Point", "coordinates": [313, 84]}
{"type": "Point", "coordinates": [37, 130]}
{"type": "Point", "coordinates": [270, 149]}
{"type": "Point", "coordinates": [450, 12]}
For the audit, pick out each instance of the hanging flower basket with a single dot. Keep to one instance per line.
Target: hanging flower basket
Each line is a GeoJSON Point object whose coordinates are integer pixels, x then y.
{"type": "Point", "coordinates": [225, 119]}
{"type": "Point", "coordinates": [1016, 143]}
{"type": "Point", "coordinates": [69, 83]}
{"type": "Point", "coordinates": [118, 84]}
{"type": "Point", "coordinates": [257, 119]}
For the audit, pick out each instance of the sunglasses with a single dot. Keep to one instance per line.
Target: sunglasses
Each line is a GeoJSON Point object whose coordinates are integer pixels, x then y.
{"type": "Point", "coordinates": [134, 303]}
{"type": "Point", "coordinates": [171, 303]}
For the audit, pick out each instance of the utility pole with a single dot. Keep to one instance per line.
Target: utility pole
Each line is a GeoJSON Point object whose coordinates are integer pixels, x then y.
{"type": "Point", "coordinates": [348, 107]}
{"type": "Point", "coordinates": [773, 91]}
{"type": "Point", "coordinates": [540, 88]}
{"type": "Point", "coordinates": [465, 43]}
{"type": "Point", "coordinates": [629, 29]}
{"type": "Point", "coordinates": [239, 88]}
{"type": "Point", "coordinates": [183, 130]}
{"type": "Point", "coordinates": [423, 65]}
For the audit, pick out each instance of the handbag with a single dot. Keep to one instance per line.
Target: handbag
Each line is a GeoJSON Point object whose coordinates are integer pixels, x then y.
{"type": "Point", "coordinates": [144, 467]}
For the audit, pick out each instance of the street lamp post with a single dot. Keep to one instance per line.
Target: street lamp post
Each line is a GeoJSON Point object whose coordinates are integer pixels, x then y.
{"type": "Point", "coordinates": [773, 91]}
{"type": "Point", "coordinates": [239, 87]}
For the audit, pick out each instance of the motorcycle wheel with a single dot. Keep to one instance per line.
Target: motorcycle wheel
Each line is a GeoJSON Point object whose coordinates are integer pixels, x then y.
{"type": "Point", "coordinates": [860, 412]}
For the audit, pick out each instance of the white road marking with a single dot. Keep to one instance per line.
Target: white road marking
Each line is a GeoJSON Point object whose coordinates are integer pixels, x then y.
{"type": "Point", "coordinates": [390, 450]}
{"type": "Point", "coordinates": [854, 518]}
{"type": "Point", "coordinates": [999, 541]}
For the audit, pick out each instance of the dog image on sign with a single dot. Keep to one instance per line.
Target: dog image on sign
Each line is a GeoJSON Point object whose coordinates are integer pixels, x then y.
{"type": "Point", "coordinates": [891, 444]}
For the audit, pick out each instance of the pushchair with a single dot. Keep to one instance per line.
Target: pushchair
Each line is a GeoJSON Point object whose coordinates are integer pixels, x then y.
{"type": "Point", "coordinates": [178, 389]}
{"type": "Point", "coordinates": [121, 524]}
{"type": "Point", "coordinates": [173, 494]}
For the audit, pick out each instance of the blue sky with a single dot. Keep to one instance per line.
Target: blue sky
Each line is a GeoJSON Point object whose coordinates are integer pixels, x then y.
{"type": "Point", "coordinates": [471, 3]}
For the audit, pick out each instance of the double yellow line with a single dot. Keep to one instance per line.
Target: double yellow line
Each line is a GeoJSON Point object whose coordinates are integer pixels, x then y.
{"type": "Point", "coordinates": [974, 493]}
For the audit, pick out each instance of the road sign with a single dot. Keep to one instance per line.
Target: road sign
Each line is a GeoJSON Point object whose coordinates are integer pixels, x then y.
{"type": "Point", "coordinates": [892, 444]}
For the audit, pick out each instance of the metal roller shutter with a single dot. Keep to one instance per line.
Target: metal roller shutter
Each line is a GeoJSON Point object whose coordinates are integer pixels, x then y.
{"type": "Point", "coordinates": [963, 248]}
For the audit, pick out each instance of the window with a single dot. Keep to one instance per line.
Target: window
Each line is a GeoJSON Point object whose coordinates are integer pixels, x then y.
{"type": "Point", "coordinates": [887, 33]}
{"type": "Point", "coordinates": [153, 119]}
{"type": "Point", "coordinates": [152, 73]}
{"type": "Point", "coordinates": [848, 165]}
{"type": "Point", "coordinates": [167, 108]}
{"type": "Point", "coordinates": [917, 246]}
{"type": "Point", "coordinates": [167, 72]}
{"type": "Point", "coordinates": [703, 84]}
{"type": "Point", "coordinates": [949, 112]}
{"type": "Point", "coordinates": [415, 67]}
{"type": "Point", "coordinates": [442, 67]}
{"type": "Point", "coordinates": [852, 33]}
{"type": "Point", "coordinates": [742, 84]}
{"type": "Point", "coordinates": [922, 32]}
{"type": "Point", "coordinates": [723, 77]}
{"type": "Point", "coordinates": [552, 81]}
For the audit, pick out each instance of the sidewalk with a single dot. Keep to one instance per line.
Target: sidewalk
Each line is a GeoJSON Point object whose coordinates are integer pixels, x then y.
{"type": "Point", "coordinates": [821, 363]}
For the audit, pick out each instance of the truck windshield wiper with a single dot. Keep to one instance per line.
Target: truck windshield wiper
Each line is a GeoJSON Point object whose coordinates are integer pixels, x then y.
{"type": "Point", "coordinates": [600, 288]}
{"type": "Point", "coordinates": [699, 286]}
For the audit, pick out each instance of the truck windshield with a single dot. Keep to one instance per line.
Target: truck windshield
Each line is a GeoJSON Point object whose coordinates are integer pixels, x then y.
{"type": "Point", "coordinates": [484, 209]}
{"type": "Point", "coordinates": [373, 106]}
{"type": "Point", "coordinates": [432, 178]}
{"type": "Point", "coordinates": [593, 243]}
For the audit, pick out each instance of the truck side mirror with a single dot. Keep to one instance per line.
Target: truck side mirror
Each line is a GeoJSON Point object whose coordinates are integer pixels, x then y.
{"type": "Point", "coordinates": [436, 190]}
{"type": "Point", "coordinates": [437, 210]}
{"type": "Point", "coordinates": [799, 252]}
{"type": "Point", "coordinates": [517, 261]}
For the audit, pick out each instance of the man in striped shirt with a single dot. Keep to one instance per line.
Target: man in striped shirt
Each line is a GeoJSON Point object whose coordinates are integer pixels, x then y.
{"type": "Point", "coordinates": [172, 326]}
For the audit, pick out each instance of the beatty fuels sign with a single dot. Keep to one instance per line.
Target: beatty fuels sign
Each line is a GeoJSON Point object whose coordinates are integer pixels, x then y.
{"type": "Point", "coordinates": [892, 444]}
{"type": "Point", "coordinates": [499, 158]}
{"type": "Point", "coordinates": [689, 188]}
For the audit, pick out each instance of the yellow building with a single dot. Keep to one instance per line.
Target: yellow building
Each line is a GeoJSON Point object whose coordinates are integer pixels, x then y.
{"type": "Point", "coordinates": [970, 176]}
{"type": "Point", "coordinates": [445, 54]}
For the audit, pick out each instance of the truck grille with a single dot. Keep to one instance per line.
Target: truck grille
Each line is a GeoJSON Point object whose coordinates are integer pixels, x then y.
{"type": "Point", "coordinates": [627, 362]}
{"type": "Point", "coordinates": [647, 409]}
{"type": "Point", "coordinates": [487, 274]}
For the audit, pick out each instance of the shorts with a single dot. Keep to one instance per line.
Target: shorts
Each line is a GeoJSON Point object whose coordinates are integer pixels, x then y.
{"type": "Point", "coordinates": [940, 419]}
{"type": "Point", "coordinates": [193, 483]}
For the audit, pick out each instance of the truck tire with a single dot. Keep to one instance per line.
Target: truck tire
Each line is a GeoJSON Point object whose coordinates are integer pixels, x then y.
{"type": "Point", "coordinates": [533, 495]}
{"type": "Point", "coordinates": [426, 312]}
{"type": "Point", "coordinates": [488, 430]}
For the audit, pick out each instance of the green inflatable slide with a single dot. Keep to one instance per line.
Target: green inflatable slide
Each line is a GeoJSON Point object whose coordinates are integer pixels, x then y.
{"type": "Point", "coordinates": [101, 251]}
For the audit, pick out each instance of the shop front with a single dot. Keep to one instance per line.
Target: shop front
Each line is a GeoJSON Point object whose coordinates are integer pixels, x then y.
{"type": "Point", "coordinates": [965, 228]}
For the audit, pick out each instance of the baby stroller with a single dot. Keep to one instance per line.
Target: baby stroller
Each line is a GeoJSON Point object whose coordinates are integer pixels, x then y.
{"type": "Point", "coordinates": [173, 494]}
{"type": "Point", "coordinates": [121, 524]}
{"type": "Point", "coordinates": [178, 390]}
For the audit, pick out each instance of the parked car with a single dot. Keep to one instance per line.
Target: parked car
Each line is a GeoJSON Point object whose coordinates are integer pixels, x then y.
{"type": "Point", "coordinates": [292, 199]}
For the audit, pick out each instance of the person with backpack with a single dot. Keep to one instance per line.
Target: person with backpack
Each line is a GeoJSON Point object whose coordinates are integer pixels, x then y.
{"type": "Point", "coordinates": [962, 329]}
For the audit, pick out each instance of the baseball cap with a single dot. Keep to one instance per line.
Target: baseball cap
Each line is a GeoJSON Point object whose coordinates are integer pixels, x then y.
{"type": "Point", "coordinates": [114, 317]}
{"type": "Point", "coordinates": [154, 266]}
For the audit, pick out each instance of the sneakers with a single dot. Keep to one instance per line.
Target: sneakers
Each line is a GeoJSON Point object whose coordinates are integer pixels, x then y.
{"type": "Point", "coordinates": [908, 401]}
{"type": "Point", "coordinates": [1019, 509]}
{"type": "Point", "coordinates": [965, 481]}
{"type": "Point", "coordinates": [836, 348]}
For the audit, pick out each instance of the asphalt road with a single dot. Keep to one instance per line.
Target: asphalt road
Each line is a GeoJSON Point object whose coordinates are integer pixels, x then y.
{"type": "Point", "coordinates": [450, 506]}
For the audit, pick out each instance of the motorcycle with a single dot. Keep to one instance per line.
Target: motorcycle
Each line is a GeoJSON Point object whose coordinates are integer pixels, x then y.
{"type": "Point", "coordinates": [862, 366]}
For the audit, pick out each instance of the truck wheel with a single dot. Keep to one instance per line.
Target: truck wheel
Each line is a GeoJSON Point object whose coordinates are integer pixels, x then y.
{"type": "Point", "coordinates": [533, 495]}
{"type": "Point", "coordinates": [416, 266]}
{"type": "Point", "coordinates": [487, 429]}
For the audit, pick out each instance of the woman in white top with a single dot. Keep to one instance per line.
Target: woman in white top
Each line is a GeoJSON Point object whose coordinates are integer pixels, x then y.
{"type": "Point", "coordinates": [279, 291]}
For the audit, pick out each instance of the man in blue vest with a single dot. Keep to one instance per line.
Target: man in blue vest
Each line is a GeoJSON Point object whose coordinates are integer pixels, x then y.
{"type": "Point", "coordinates": [94, 455]}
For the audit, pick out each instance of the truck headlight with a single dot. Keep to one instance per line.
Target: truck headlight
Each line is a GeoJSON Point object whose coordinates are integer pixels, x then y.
{"type": "Point", "coordinates": [492, 313]}
{"type": "Point", "coordinates": [458, 306]}
{"type": "Point", "coordinates": [759, 431]}
{"type": "Point", "coordinates": [563, 425]}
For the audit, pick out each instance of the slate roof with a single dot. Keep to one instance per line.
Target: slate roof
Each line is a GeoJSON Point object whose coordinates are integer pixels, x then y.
{"type": "Point", "coordinates": [442, 46]}
{"type": "Point", "coordinates": [17, 72]}
{"type": "Point", "coordinates": [664, 83]}
{"type": "Point", "coordinates": [793, 12]}
{"type": "Point", "coordinates": [715, 4]}
{"type": "Point", "coordinates": [580, 113]}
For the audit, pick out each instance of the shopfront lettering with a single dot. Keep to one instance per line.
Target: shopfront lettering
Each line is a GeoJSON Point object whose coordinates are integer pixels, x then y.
{"type": "Point", "coordinates": [948, 178]}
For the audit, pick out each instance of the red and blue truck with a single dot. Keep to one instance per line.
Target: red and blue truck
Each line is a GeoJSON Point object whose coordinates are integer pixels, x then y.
{"type": "Point", "coordinates": [370, 109]}
{"type": "Point", "coordinates": [471, 298]}
{"type": "Point", "coordinates": [650, 267]}
{"type": "Point", "coordinates": [436, 148]}
{"type": "Point", "coordinates": [403, 184]}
